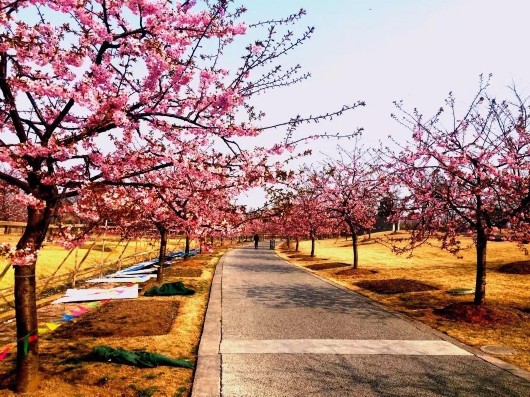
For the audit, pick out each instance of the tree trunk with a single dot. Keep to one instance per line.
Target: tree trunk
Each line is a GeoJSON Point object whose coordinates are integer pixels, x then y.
{"type": "Point", "coordinates": [312, 244]}
{"type": "Point", "coordinates": [26, 317]}
{"type": "Point", "coordinates": [162, 253]}
{"type": "Point", "coordinates": [355, 250]}
{"type": "Point", "coordinates": [480, 284]}
{"type": "Point", "coordinates": [26, 299]}
{"type": "Point", "coordinates": [288, 243]}
{"type": "Point", "coordinates": [187, 247]}
{"type": "Point", "coordinates": [297, 245]}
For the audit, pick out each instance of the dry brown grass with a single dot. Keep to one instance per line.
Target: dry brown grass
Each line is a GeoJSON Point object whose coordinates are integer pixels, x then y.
{"type": "Point", "coordinates": [64, 374]}
{"type": "Point", "coordinates": [51, 255]}
{"type": "Point", "coordinates": [430, 265]}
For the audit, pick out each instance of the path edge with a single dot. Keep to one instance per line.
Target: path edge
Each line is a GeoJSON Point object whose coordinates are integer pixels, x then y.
{"type": "Point", "coordinates": [207, 378]}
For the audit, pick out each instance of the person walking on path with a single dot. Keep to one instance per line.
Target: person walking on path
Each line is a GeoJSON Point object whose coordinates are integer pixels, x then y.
{"type": "Point", "coordinates": [256, 240]}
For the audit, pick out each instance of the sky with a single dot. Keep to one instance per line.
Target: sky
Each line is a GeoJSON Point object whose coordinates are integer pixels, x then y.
{"type": "Point", "coordinates": [381, 51]}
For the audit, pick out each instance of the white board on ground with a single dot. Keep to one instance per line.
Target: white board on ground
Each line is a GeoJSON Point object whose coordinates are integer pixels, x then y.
{"type": "Point", "coordinates": [141, 265]}
{"type": "Point", "coordinates": [125, 275]}
{"type": "Point", "coordinates": [96, 294]}
{"type": "Point", "coordinates": [137, 279]}
{"type": "Point", "coordinates": [141, 271]}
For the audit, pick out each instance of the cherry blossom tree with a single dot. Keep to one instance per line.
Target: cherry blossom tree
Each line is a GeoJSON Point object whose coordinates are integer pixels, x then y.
{"type": "Point", "coordinates": [10, 208]}
{"type": "Point", "coordinates": [189, 200]}
{"type": "Point", "coordinates": [293, 226]}
{"type": "Point", "coordinates": [133, 210]}
{"type": "Point", "coordinates": [199, 198]}
{"type": "Point", "coordinates": [307, 213]}
{"type": "Point", "coordinates": [280, 212]}
{"type": "Point", "coordinates": [388, 208]}
{"type": "Point", "coordinates": [463, 174]}
{"type": "Point", "coordinates": [353, 186]}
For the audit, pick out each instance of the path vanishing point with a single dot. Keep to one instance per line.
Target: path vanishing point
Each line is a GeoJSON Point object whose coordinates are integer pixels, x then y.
{"type": "Point", "coordinates": [274, 329]}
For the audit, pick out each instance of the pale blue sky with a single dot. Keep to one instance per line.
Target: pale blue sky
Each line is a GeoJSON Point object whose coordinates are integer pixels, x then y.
{"type": "Point", "coordinates": [385, 50]}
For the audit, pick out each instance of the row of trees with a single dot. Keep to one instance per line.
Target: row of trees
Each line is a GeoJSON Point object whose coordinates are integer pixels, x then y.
{"type": "Point", "coordinates": [345, 195]}
{"type": "Point", "coordinates": [460, 174]}
{"type": "Point", "coordinates": [122, 111]}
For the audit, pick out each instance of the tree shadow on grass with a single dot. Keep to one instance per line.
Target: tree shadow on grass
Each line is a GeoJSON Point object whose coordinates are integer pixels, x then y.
{"type": "Point", "coordinates": [327, 265]}
{"type": "Point", "coordinates": [395, 286]}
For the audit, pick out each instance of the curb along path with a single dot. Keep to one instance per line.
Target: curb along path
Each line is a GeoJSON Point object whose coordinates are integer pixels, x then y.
{"type": "Point", "coordinates": [207, 380]}
{"type": "Point", "coordinates": [273, 329]}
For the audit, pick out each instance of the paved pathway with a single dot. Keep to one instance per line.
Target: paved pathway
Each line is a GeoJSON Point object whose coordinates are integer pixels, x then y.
{"type": "Point", "coordinates": [273, 329]}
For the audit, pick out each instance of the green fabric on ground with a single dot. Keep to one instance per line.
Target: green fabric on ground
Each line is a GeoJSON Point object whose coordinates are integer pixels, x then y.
{"type": "Point", "coordinates": [140, 359]}
{"type": "Point", "coordinates": [167, 289]}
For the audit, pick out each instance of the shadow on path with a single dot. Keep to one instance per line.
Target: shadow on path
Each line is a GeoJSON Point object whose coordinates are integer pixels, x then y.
{"type": "Point", "coordinates": [259, 254]}
{"type": "Point", "coordinates": [419, 376]}
{"type": "Point", "coordinates": [309, 296]}
{"type": "Point", "coordinates": [388, 376]}
{"type": "Point", "coordinates": [264, 268]}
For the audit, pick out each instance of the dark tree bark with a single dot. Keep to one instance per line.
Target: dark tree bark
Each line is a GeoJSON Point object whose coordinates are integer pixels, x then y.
{"type": "Point", "coordinates": [297, 245]}
{"type": "Point", "coordinates": [354, 243]}
{"type": "Point", "coordinates": [312, 243]}
{"type": "Point", "coordinates": [355, 250]}
{"type": "Point", "coordinates": [480, 284]}
{"type": "Point", "coordinates": [187, 246]}
{"type": "Point", "coordinates": [26, 297]}
{"type": "Point", "coordinates": [162, 253]}
{"type": "Point", "coordinates": [26, 317]}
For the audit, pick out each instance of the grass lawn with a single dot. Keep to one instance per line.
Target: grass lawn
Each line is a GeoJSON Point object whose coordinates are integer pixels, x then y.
{"type": "Point", "coordinates": [65, 371]}
{"type": "Point", "coordinates": [509, 293]}
{"type": "Point", "coordinates": [104, 252]}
